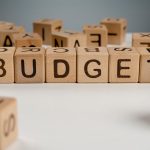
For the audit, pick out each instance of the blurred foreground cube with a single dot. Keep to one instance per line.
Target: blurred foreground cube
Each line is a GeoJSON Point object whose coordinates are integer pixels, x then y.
{"type": "Point", "coordinates": [8, 121]}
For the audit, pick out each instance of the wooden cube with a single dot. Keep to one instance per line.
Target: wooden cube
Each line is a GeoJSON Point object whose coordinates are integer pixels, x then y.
{"type": "Point", "coordinates": [7, 64]}
{"type": "Point", "coordinates": [92, 65]}
{"type": "Point", "coordinates": [6, 35]}
{"type": "Point", "coordinates": [144, 75]}
{"type": "Point", "coordinates": [8, 121]}
{"type": "Point", "coordinates": [97, 36]}
{"type": "Point", "coordinates": [27, 40]}
{"type": "Point", "coordinates": [61, 65]}
{"type": "Point", "coordinates": [69, 39]}
{"type": "Point", "coordinates": [123, 64]}
{"type": "Point", "coordinates": [30, 65]}
{"type": "Point", "coordinates": [6, 24]}
{"type": "Point", "coordinates": [141, 39]}
{"type": "Point", "coordinates": [45, 28]}
{"type": "Point", "coordinates": [116, 29]}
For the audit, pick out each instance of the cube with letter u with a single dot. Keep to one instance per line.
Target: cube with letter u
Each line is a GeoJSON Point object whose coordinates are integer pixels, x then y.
{"type": "Point", "coordinates": [30, 65]}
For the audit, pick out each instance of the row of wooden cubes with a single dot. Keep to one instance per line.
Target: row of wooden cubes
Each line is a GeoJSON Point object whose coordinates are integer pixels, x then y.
{"type": "Point", "coordinates": [70, 65]}
{"type": "Point", "coordinates": [8, 121]}
{"type": "Point", "coordinates": [110, 31]}
{"type": "Point", "coordinates": [51, 32]}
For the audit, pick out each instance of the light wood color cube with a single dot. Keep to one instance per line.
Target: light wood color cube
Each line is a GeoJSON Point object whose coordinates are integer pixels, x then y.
{"type": "Point", "coordinates": [144, 75]}
{"type": "Point", "coordinates": [7, 64]}
{"type": "Point", "coordinates": [92, 65]}
{"type": "Point", "coordinates": [6, 24]}
{"type": "Point", "coordinates": [61, 65]}
{"type": "Point", "coordinates": [97, 36]}
{"type": "Point", "coordinates": [69, 39]}
{"type": "Point", "coordinates": [116, 29]}
{"type": "Point", "coordinates": [30, 65]}
{"type": "Point", "coordinates": [6, 35]}
{"type": "Point", "coordinates": [45, 28]}
{"type": "Point", "coordinates": [27, 40]}
{"type": "Point", "coordinates": [123, 64]}
{"type": "Point", "coordinates": [141, 39]}
{"type": "Point", "coordinates": [8, 122]}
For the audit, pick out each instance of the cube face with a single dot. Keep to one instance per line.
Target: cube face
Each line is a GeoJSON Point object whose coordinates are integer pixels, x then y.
{"type": "Point", "coordinates": [76, 39]}
{"type": "Point", "coordinates": [8, 121]}
{"type": "Point", "coordinates": [5, 23]}
{"type": "Point", "coordinates": [141, 39]}
{"type": "Point", "coordinates": [30, 65]}
{"type": "Point", "coordinates": [27, 40]}
{"type": "Point", "coordinates": [7, 64]}
{"type": "Point", "coordinates": [116, 29]}
{"type": "Point", "coordinates": [123, 65]}
{"type": "Point", "coordinates": [69, 39]}
{"type": "Point", "coordinates": [45, 28]}
{"type": "Point", "coordinates": [6, 35]}
{"type": "Point", "coordinates": [96, 35]}
{"type": "Point", "coordinates": [61, 65]}
{"type": "Point", "coordinates": [92, 64]}
{"type": "Point", "coordinates": [60, 39]}
{"type": "Point", "coordinates": [144, 75]}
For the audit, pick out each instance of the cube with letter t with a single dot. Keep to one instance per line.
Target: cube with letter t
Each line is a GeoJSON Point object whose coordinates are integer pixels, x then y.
{"type": "Point", "coordinates": [123, 64]}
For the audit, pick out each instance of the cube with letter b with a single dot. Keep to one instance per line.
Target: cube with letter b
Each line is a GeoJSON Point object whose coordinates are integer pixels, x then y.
{"type": "Point", "coordinates": [7, 64]}
{"type": "Point", "coordinates": [96, 35]}
{"type": "Point", "coordinates": [30, 65]}
{"type": "Point", "coordinates": [117, 28]}
{"type": "Point", "coordinates": [8, 121]}
{"type": "Point", "coordinates": [61, 65]}
{"type": "Point", "coordinates": [123, 64]}
{"type": "Point", "coordinates": [92, 64]}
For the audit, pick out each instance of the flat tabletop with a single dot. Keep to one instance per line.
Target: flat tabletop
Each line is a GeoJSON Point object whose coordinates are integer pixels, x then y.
{"type": "Point", "coordinates": [82, 116]}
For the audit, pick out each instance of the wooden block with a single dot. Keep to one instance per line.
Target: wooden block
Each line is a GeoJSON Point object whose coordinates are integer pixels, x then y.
{"type": "Point", "coordinates": [6, 24]}
{"type": "Point", "coordinates": [116, 29]}
{"type": "Point", "coordinates": [141, 39]}
{"type": "Point", "coordinates": [7, 64]}
{"type": "Point", "coordinates": [8, 121]}
{"type": "Point", "coordinates": [92, 65]}
{"type": "Point", "coordinates": [69, 39]}
{"type": "Point", "coordinates": [30, 65]}
{"type": "Point", "coordinates": [45, 28]}
{"type": "Point", "coordinates": [144, 75]}
{"type": "Point", "coordinates": [61, 65]}
{"type": "Point", "coordinates": [27, 40]}
{"type": "Point", "coordinates": [6, 35]}
{"type": "Point", "coordinates": [123, 64]}
{"type": "Point", "coordinates": [97, 36]}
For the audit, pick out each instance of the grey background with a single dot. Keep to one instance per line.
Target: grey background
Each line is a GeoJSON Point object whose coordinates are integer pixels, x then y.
{"type": "Point", "coordinates": [76, 13]}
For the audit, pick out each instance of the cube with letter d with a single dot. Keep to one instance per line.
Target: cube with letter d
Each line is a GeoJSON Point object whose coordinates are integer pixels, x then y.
{"type": "Point", "coordinates": [61, 65]}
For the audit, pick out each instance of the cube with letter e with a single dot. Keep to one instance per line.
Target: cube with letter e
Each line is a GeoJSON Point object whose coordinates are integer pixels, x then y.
{"type": "Point", "coordinates": [123, 64]}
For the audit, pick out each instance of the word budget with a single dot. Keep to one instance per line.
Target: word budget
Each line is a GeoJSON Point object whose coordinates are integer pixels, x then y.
{"type": "Point", "coordinates": [70, 65]}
